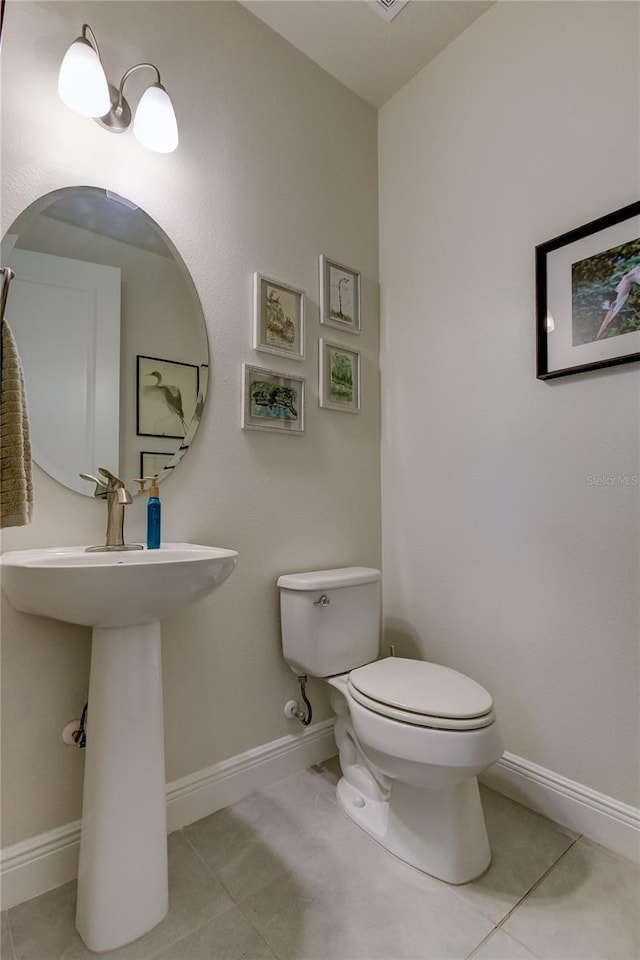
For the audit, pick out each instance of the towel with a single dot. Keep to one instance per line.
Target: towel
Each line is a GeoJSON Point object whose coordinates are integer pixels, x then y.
{"type": "Point", "coordinates": [16, 488]}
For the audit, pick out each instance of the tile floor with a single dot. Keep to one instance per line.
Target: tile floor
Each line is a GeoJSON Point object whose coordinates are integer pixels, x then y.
{"type": "Point", "coordinates": [284, 874]}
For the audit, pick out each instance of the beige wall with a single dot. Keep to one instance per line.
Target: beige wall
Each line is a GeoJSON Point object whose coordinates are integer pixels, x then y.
{"type": "Point", "coordinates": [500, 559]}
{"type": "Point", "coordinates": [277, 164]}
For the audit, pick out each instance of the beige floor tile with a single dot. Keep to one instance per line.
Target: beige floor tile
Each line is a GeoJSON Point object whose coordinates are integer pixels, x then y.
{"type": "Point", "coordinates": [346, 904]}
{"type": "Point", "coordinates": [229, 937]}
{"type": "Point", "coordinates": [374, 920]}
{"type": "Point", "coordinates": [524, 844]}
{"type": "Point", "coordinates": [6, 944]}
{"type": "Point", "coordinates": [500, 946]}
{"type": "Point", "coordinates": [44, 928]}
{"type": "Point", "coordinates": [321, 780]}
{"type": "Point", "coordinates": [347, 858]}
{"type": "Point", "coordinates": [585, 909]}
{"type": "Point", "coordinates": [250, 844]}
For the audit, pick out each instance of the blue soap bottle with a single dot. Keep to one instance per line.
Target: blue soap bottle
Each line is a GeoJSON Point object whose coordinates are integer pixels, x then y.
{"type": "Point", "coordinates": [154, 510]}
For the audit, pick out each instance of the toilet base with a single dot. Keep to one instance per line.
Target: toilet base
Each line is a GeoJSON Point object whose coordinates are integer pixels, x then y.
{"type": "Point", "coordinates": [440, 832]}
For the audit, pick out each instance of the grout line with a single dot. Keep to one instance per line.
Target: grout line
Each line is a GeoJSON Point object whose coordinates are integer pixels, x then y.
{"type": "Point", "coordinates": [236, 903]}
{"type": "Point", "coordinates": [201, 859]}
{"type": "Point", "coordinates": [204, 922]}
{"type": "Point", "coordinates": [259, 932]}
{"type": "Point", "coordinates": [534, 886]}
{"type": "Point", "coordinates": [474, 952]}
{"type": "Point", "coordinates": [13, 946]}
{"type": "Point", "coordinates": [216, 876]}
{"type": "Point", "coordinates": [524, 896]}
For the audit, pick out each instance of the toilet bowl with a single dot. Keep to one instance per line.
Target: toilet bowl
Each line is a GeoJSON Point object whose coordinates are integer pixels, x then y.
{"type": "Point", "coordinates": [412, 736]}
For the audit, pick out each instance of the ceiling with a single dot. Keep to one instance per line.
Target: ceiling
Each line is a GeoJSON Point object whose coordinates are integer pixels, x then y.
{"type": "Point", "coordinates": [371, 55]}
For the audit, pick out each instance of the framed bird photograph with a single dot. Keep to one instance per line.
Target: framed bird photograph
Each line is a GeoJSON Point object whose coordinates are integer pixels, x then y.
{"type": "Point", "coordinates": [588, 296]}
{"type": "Point", "coordinates": [166, 396]}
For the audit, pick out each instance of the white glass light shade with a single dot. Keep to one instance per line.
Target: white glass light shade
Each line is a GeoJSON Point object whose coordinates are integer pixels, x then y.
{"type": "Point", "coordinates": [82, 83]}
{"type": "Point", "coordinates": [154, 124]}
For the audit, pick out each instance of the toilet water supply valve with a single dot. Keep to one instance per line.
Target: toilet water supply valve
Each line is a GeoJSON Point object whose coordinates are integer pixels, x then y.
{"type": "Point", "coordinates": [75, 732]}
{"type": "Point", "coordinates": [293, 711]}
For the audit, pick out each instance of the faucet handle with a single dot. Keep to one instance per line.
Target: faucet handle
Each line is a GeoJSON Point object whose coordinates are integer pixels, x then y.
{"type": "Point", "coordinates": [101, 488]}
{"type": "Point", "coordinates": [114, 482]}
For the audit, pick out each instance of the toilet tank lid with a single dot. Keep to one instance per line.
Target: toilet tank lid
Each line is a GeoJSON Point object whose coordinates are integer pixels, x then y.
{"type": "Point", "coordinates": [328, 579]}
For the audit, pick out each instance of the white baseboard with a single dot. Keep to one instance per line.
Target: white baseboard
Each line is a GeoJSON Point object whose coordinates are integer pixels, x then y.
{"type": "Point", "coordinates": [41, 863]}
{"type": "Point", "coordinates": [613, 824]}
{"type": "Point", "coordinates": [206, 791]}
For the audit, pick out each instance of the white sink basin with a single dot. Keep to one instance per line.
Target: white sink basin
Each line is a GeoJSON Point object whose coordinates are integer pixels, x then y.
{"type": "Point", "coordinates": [119, 589]}
{"type": "Point", "coordinates": [122, 874]}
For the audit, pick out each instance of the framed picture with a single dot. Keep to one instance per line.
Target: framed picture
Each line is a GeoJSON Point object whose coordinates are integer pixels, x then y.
{"type": "Point", "coordinates": [272, 401]}
{"type": "Point", "coordinates": [154, 464]}
{"type": "Point", "coordinates": [278, 318]}
{"type": "Point", "coordinates": [339, 377]}
{"type": "Point", "coordinates": [339, 296]}
{"type": "Point", "coordinates": [166, 396]}
{"type": "Point", "coordinates": [588, 296]}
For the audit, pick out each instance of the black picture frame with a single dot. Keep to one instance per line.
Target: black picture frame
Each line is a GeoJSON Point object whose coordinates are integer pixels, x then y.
{"type": "Point", "coordinates": [148, 468]}
{"type": "Point", "coordinates": [573, 305]}
{"type": "Point", "coordinates": [174, 375]}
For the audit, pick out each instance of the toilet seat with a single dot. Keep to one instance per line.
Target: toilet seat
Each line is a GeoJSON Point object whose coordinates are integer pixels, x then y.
{"type": "Point", "coordinates": [422, 694]}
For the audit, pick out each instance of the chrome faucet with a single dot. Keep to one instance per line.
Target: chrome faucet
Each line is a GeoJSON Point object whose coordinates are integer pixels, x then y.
{"type": "Point", "coordinates": [117, 497]}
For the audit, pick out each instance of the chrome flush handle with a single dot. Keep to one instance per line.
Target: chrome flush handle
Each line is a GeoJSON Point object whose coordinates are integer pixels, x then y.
{"type": "Point", "coordinates": [322, 601]}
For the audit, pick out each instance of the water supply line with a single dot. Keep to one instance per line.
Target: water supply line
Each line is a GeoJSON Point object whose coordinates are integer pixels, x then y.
{"type": "Point", "coordinates": [293, 711]}
{"type": "Point", "coordinates": [80, 736]}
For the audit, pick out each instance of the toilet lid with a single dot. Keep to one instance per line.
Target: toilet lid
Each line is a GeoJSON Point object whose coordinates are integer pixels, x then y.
{"type": "Point", "coordinates": [426, 689]}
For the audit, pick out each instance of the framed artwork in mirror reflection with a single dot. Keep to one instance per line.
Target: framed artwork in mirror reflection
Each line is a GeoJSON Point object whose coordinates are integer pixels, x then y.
{"type": "Point", "coordinates": [155, 464]}
{"type": "Point", "coordinates": [278, 318]}
{"type": "Point", "coordinates": [272, 401]}
{"type": "Point", "coordinates": [166, 397]}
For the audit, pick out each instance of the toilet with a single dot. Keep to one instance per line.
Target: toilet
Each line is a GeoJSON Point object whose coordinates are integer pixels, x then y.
{"type": "Point", "coordinates": [412, 736]}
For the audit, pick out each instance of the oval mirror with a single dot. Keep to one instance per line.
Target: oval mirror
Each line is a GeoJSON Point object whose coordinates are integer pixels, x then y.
{"type": "Point", "coordinates": [111, 335]}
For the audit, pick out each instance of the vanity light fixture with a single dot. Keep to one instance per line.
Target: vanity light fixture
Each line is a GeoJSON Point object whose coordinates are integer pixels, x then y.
{"type": "Point", "coordinates": [84, 88]}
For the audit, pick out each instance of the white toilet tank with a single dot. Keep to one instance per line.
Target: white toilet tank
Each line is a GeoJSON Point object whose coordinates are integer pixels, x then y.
{"type": "Point", "coordinates": [330, 619]}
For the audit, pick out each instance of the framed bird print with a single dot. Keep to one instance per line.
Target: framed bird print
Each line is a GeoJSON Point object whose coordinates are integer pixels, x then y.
{"type": "Point", "coordinates": [166, 396]}
{"type": "Point", "coordinates": [588, 296]}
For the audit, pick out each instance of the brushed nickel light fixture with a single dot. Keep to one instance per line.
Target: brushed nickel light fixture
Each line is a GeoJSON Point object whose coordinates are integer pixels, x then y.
{"type": "Point", "coordinates": [84, 88]}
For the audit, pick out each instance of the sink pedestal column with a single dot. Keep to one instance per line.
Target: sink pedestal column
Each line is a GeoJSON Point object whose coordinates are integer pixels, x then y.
{"type": "Point", "coordinates": [122, 877]}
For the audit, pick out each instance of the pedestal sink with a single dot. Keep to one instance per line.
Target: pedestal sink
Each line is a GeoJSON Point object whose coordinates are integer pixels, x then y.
{"type": "Point", "coordinates": [122, 876]}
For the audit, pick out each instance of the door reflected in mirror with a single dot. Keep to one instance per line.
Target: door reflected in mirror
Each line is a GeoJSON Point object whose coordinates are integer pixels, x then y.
{"type": "Point", "coordinates": [111, 334]}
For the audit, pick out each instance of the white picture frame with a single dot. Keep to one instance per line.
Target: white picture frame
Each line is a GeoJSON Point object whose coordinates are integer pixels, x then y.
{"type": "Point", "coordinates": [272, 401]}
{"type": "Point", "coordinates": [339, 377]}
{"type": "Point", "coordinates": [278, 317]}
{"type": "Point", "coordinates": [339, 295]}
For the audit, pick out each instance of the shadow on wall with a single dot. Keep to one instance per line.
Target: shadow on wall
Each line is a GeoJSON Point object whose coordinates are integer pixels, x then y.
{"type": "Point", "coordinates": [403, 637]}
